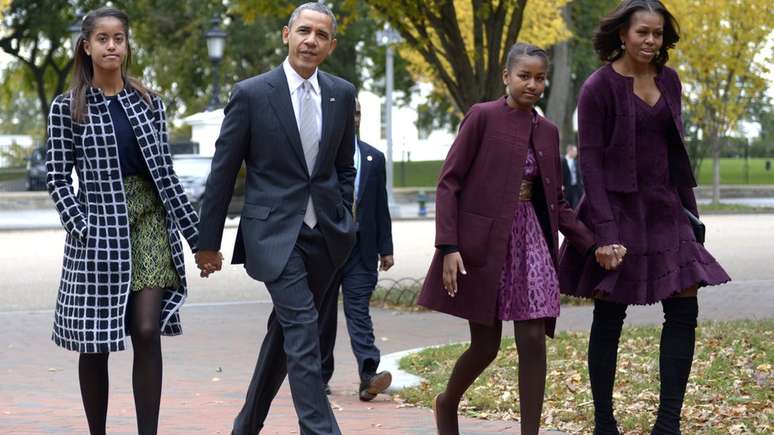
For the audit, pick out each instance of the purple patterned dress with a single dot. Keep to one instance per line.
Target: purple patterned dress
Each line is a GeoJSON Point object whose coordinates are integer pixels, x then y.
{"type": "Point", "coordinates": [529, 287]}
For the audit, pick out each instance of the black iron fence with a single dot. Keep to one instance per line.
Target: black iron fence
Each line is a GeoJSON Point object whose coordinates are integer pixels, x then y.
{"type": "Point", "coordinates": [401, 293]}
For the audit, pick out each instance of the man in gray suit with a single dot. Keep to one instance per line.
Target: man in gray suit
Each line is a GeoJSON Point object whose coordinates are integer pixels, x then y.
{"type": "Point", "coordinates": [293, 127]}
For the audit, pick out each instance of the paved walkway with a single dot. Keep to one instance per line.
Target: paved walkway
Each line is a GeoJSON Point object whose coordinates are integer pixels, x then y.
{"type": "Point", "coordinates": [208, 368]}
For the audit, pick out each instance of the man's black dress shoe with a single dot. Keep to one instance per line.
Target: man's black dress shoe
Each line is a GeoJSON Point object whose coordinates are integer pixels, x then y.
{"type": "Point", "coordinates": [373, 384]}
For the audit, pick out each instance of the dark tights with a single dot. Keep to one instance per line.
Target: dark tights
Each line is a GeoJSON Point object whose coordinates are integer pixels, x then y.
{"type": "Point", "coordinates": [144, 319]}
{"type": "Point", "coordinates": [484, 345]}
{"type": "Point", "coordinates": [678, 337]}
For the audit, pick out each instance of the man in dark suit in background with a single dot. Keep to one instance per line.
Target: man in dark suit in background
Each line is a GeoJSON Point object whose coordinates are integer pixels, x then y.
{"type": "Point", "coordinates": [571, 176]}
{"type": "Point", "coordinates": [359, 275]}
{"type": "Point", "coordinates": [294, 129]}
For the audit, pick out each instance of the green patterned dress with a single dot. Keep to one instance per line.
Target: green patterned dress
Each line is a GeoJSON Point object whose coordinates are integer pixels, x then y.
{"type": "Point", "coordinates": [152, 264]}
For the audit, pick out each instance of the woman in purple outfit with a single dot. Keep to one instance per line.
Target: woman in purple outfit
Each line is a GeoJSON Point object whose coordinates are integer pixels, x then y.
{"type": "Point", "coordinates": [499, 206]}
{"type": "Point", "coordinates": [638, 182]}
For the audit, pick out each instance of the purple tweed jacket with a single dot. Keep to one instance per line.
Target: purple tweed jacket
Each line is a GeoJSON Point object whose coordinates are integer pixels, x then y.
{"type": "Point", "coordinates": [606, 136]}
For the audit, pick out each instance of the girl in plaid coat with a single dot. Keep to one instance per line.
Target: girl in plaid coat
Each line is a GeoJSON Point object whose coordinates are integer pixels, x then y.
{"type": "Point", "coordinates": [123, 271]}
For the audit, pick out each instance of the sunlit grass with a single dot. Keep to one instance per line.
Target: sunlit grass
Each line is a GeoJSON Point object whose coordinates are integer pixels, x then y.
{"type": "Point", "coordinates": [730, 390]}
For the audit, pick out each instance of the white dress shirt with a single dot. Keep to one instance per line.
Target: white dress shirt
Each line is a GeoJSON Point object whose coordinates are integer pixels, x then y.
{"type": "Point", "coordinates": [294, 83]}
{"type": "Point", "coordinates": [356, 158]}
{"type": "Point", "coordinates": [573, 171]}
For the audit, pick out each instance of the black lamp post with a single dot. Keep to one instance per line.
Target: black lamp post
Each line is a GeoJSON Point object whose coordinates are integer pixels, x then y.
{"type": "Point", "coordinates": [216, 42]}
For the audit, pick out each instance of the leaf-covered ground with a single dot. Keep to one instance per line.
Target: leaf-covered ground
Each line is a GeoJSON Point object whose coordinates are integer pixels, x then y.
{"type": "Point", "coordinates": [730, 390]}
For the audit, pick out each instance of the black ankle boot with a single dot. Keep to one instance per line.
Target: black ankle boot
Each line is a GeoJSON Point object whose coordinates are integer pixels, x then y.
{"type": "Point", "coordinates": [678, 338]}
{"type": "Point", "coordinates": [602, 358]}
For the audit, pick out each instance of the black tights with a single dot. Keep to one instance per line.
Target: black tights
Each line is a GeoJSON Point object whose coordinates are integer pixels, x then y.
{"type": "Point", "coordinates": [678, 337]}
{"type": "Point", "coordinates": [484, 345]}
{"type": "Point", "coordinates": [144, 319]}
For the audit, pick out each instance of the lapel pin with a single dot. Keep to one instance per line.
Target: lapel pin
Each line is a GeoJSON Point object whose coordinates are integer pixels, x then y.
{"type": "Point", "coordinates": [332, 99]}
{"type": "Point", "coordinates": [369, 158]}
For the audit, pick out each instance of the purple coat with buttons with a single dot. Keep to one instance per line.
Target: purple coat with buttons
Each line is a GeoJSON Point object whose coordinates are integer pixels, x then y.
{"type": "Point", "coordinates": [476, 199]}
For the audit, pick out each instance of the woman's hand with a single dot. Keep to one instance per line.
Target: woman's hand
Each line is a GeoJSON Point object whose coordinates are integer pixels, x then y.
{"type": "Point", "coordinates": [452, 265]}
{"type": "Point", "coordinates": [610, 256]}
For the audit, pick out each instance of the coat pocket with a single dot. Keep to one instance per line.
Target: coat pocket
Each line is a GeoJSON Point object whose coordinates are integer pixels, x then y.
{"type": "Point", "coordinates": [255, 211]}
{"type": "Point", "coordinates": [474, 232]}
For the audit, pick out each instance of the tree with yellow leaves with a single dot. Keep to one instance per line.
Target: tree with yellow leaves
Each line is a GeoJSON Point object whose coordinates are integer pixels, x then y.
{"type": "Point", "coordinates": [718, 58]}
{"type": "Point", "coordinates": [463, 44]}
{"type": "Point", "coordinates": [35, 35]}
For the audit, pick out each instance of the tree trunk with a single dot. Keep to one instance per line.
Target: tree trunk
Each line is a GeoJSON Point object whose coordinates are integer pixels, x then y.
{"type": "Point", "coordinates": [561, 80]}
{"type": "Point", "coordinates": [434, 32]}
{"type": "Point", "coordinates": [716, 171]}
{"type": "Point", "coordinates": [560, 84]}
{"type": "Point", "coordinates": [46, 96]}
{"type": "Point", "coordinates": [40, 89]}
{"type": "Point", "coordinates": [567, 129]}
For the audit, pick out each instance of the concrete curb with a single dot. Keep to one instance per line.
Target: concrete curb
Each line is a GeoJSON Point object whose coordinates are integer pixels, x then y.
{"type": "Point", "coordinates": [400, 379]}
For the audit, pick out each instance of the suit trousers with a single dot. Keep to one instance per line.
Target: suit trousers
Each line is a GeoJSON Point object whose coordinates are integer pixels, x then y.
{"type": "Point", "coordinates": [291, 345]}
{"type": "Point", "coordinates": [573, 194]}
{"type": "Point", "coordinates": [357, 283]}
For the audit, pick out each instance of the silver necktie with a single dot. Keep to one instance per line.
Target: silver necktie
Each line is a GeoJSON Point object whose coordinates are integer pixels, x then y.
{"type": "Point", "coordinates": [310, 140]}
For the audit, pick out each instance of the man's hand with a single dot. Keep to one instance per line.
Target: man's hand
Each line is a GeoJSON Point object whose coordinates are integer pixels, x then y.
{"type": "Point", "coordinates": [610, 256]}
{"type": "Point", "coordinates": [208, 262]}
{"type": "Point", "coordinates": [386, 262]}
{"type": "Point", "coordinates": [452, 265]}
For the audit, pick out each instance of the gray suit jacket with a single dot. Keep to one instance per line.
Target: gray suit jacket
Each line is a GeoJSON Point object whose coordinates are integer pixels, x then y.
{"type": "Point", "coordinates": [260, 129]}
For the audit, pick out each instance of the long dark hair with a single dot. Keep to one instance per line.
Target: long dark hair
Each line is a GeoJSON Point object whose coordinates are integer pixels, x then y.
{"type": "Point", "coordinates": [83, 69]}
{"type": "Point", "coordinates": [607, 39]}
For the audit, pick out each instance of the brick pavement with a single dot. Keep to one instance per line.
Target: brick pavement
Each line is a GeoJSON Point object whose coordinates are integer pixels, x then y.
{"type": "Point", "coordinates": [208, 368]}
{"type": "Point", "coordinates": [206, 374]}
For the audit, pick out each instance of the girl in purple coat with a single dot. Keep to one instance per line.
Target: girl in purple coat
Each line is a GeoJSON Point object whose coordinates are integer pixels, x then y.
{"type": "Point", "coordinates": [499, 207]}
{"type": "Point", "coordinates": [638, 184]}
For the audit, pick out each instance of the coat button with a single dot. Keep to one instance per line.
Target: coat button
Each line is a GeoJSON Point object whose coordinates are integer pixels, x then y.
{"type": "Point", "coordinates": [548, 180]}
{"type": "Point", "coordinates": [552, 207]}
{"type": "Point", "coordinates": [540, 153]}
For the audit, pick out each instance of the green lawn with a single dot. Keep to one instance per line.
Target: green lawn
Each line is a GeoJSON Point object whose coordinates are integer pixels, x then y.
{"type": "Point", "coordinates": [730, 391]}
{"type": "Point", "coordinates": [7, 174]}
{"type": "Point", "coordinates": [416, 174]}
{"type": "Point", "coordinates": [732, 171]}
{"type": "Point", "coordinates": [425, 174]}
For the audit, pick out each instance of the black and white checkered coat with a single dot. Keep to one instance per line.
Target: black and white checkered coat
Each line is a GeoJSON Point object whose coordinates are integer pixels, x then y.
{"type": "Point", "coordinates": [91, 306]}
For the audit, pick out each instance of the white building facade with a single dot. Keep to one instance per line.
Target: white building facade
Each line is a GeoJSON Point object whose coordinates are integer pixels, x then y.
{"type": "Point", "coordinates": [408, 143]}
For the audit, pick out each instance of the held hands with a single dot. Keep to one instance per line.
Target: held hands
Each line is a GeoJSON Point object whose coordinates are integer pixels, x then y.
{"type": "Point", "coordinates": [386, 262]}
{"type": "Point", "coordinates": [610, 256]}
{"type": "Point", "coordinates": [208, 262]}
{"type": "Point", "coordinates": [452, 265]}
